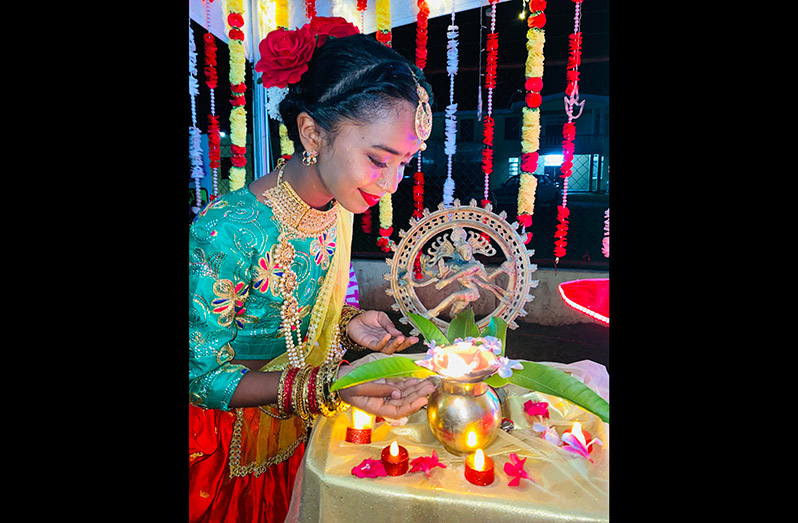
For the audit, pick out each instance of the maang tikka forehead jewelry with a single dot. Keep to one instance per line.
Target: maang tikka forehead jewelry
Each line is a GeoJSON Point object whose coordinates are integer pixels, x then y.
{"type": "Point", "coordinates": [423, 114]}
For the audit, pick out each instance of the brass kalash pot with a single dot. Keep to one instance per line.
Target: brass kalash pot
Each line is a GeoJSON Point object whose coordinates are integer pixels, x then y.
{"type": "Point", "coordinates": [464, 415]}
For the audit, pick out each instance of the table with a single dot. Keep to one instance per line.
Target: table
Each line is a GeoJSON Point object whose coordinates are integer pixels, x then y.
{"type": "Point", "coordinates": [566, 487]}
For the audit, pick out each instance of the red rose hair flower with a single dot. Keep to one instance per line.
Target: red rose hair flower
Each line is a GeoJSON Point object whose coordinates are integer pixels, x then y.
{"type": "Point", "coordinates": [335, 26]}
{"type": "Point", "coordinates": [285, 55]}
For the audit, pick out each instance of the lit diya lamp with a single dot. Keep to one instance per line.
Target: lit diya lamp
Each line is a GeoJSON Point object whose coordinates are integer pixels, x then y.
{"type": "Point", "coordinates": [395, 459]}
{"type": "Point", "coordinates": [479, 469]}
{"type": "Point", "coordinates": [361, 431]}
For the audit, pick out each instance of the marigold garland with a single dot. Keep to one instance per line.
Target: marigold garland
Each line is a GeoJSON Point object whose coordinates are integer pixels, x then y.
{"type": "Point", "coordinates": [569, 129]}
{"type": "Point", "coordinates": [211, 80]}
{"type": "Point", "coordinates": [238, 115]}
{"type": "Point", "coordinates": [490, 83]}
{"type": "Point", "coordinates": [384, 22]}
{"type": "Point", "coordinates": [386, 206]}
{"type": "Point", "coordinates": [281, 13]}
{"type": "Point", "coordinates": [530, 133]}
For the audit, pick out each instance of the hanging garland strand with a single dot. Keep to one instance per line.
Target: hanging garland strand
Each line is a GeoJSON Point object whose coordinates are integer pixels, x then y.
{"type": "Point", "coordinates": [530, 127]}
{"type": "Point", "coordinates": [384, 22]}
{"type": "Point", "coordinates": [418, 177]}
{"type": "Point", "coordinates": [194, 136]}
{"type": "Point", "coordinates": [275, 94]}
{"type": "Point", "coordinates": [362, 5]}
{"type": "Point", "coordinates": [366, 217]}
{"type": "Point", "coordinates": [384, 242]}
{"type": "Point", "coordinates": [450, 145]}
{"type": "Point", "coordinates": [310, 9]}
{"type": "Point", "coordinates": [421, 62]}
{"type": "Point", "coordinates": [238, 88]}
{"type": "Point", "coordinates": [605, 243]}
{"type": "Point", "coordinates": [569, 129]}
{"type": "Point", "coordinates": [211, 79]}
{"type": "Point", "coordinates": [490, 84]}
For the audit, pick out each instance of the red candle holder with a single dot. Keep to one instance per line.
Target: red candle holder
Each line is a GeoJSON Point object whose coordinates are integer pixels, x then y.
{"type": "Point", "coordinates": [482, 476]}
{"type": "Point", "coordinates": [358, 436]}
{"type": "Point", "coordinates": [395, 464]}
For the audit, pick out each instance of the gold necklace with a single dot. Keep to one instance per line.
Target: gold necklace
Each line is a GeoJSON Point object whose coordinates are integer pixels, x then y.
{"type": "Point", "coordinates": [295, 219]}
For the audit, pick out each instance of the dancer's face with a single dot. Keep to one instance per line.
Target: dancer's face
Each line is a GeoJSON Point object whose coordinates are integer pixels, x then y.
{"type": "Point", "coordinates": [364, 160]}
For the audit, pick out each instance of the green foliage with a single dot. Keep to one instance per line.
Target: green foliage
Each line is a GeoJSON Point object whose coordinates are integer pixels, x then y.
{"type": "Point", "coordinates": [393, 367]}
{"type": "Point", "coordinates": [534, 376]}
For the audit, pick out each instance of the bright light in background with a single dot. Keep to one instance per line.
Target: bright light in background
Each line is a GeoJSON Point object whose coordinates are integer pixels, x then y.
{"type": "Point", "coordinates": [552, 160]}
{"type": "Point", "coordinates": [513, 166]}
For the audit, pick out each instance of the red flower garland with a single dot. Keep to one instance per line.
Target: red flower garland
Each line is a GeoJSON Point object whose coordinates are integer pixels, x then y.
{"type": "Point", "coordinates": [421, 34]}
{"type": "Point", "coordinates": [211, 80]}
{"type": "Point", "coordinates": [310, 9]}
{"type": "Point", "coordinates": [211, 76]}
{"type": "Point", "coordinates": [418, 177]}
{"type": "Point", "coordinates": [568, 132]}
{"type": "Point", "coordinates": [365, 221]}
{"type": "Point", "coordinates": [492, 48]}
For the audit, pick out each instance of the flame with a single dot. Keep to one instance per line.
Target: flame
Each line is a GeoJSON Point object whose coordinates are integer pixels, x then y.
{"type": "Point", "coordinates": [479, 460]}
{"type": "Point", "coordinates": [456, 367]}
{"type": "Point", "coordinates": [471, 439]}
{"type": "Point", "coordinates": [394, 449]}
{"type": "Point", "coordinates": [576, 430]}
{"type": "Point", "coordinates": [361, 420]}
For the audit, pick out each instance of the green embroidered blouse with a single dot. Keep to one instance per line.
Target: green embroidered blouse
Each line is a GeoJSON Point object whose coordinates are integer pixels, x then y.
{"type": "Point", "coordinates": [234, 310]}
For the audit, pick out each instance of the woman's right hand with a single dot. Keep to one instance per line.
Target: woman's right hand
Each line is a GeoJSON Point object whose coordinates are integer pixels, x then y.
{"type": "Point", "coordinates": [394, 400]}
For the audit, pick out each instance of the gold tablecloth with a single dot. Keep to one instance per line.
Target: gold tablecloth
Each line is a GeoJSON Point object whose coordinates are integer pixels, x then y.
{"type": "Point", "coordinates": [566, 487]}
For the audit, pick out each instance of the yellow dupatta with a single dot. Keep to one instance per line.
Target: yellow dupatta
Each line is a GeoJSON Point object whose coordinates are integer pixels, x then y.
{"type": "Point", "coordinates": [260, 439]}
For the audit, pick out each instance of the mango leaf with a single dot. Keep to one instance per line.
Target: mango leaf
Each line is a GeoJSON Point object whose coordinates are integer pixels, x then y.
{"type": "Point", "coordinates": [429, 330]}
{"type": "Point", "coordinates": [463, 326]}
{"type": "Point", "coordinates": [496, 381]}
{"type": "Point", "coordinates": [548, 380]}
{"type": "Point", "coordinates": [497, 328]}
{"type": "Point", "coordinates": [393, 367]}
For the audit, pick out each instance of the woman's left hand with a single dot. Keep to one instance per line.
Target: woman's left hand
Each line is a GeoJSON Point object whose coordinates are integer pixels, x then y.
{"type": "Point", "coordinates": [376, 331]}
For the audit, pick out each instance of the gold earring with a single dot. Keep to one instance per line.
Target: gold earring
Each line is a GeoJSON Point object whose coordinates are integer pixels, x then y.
{"type": "Point", "coordinates": [309, 158]}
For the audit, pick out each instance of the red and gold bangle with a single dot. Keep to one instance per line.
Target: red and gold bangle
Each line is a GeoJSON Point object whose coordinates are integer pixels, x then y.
{"type": "Point", "coordinates": [313, 406]}
{"type": "Point", "coordinates": [287, 391]}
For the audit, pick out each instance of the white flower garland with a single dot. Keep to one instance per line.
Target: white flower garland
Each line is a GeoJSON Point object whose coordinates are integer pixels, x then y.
{"type": "Point", "coordinates": [450, 146]}
{"type": "Point", "coordinates": [194, 136]}
{"type": "Point", "coordinates": [605, 243]}
{"type": "Point", "coordinates": [275, 95]}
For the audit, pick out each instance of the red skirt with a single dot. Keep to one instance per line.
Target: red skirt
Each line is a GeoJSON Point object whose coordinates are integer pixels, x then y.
{"type": "Point", "coordinates": [215, 497]}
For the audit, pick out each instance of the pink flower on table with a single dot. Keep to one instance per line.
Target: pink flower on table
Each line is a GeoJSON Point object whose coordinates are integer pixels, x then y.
{"type": "Point", "coordinates": [515, 469]}
{"type": "Point", "coordinates": [426, 463]}
{"type": "Point", "coordinates": [369, 468]}
{"type": "Point", "coordinates": [537, 408]}
{"type": "Point", "coordinates": [577, 444]}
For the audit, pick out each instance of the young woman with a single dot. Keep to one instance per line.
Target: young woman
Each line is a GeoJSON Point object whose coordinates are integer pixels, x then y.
{"type": "Point", "coordinates": [269, 267]}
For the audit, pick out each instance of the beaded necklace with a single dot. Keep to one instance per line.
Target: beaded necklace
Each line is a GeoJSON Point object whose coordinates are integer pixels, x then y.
{"type": "Point", "coordinates": [295, 220]}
